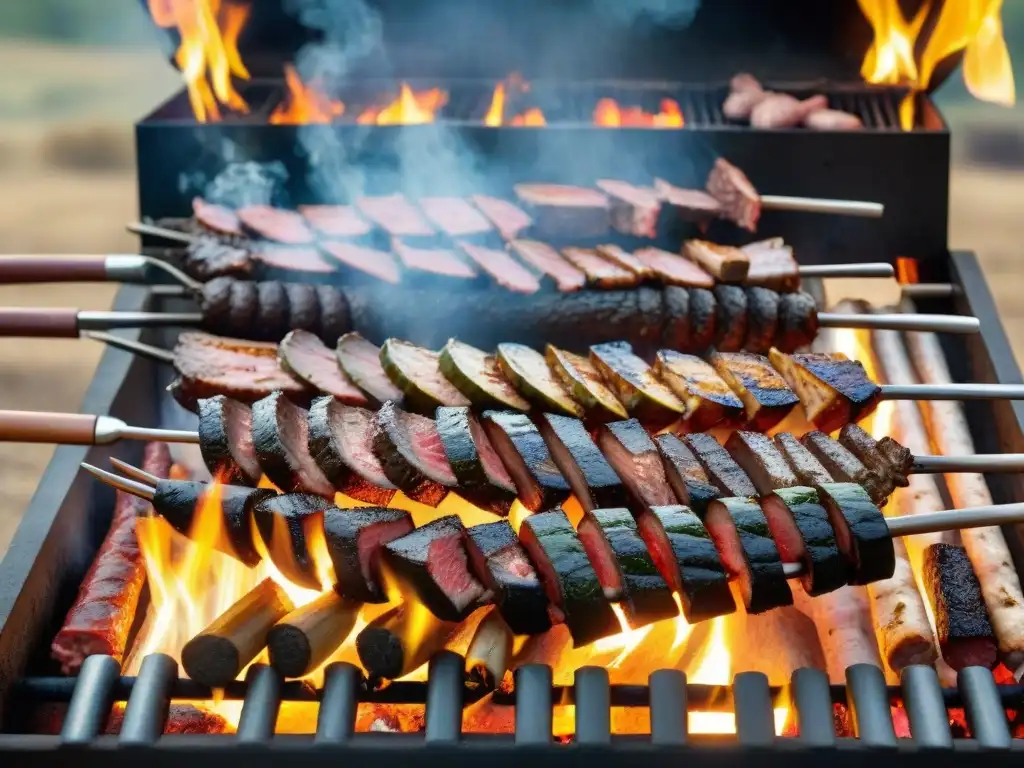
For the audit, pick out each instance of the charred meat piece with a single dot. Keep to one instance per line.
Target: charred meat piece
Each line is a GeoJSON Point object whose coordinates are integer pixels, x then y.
{"type": "Point", "coordinates": [303, 306]}
{"type": "Point", "coordinates": [395, 215]}
{"type": "Point", "coordinates": [477, 376]}
{"type": "Point", "coordinates": [798, 321]}
{"type": "Point", "coordinates": [731, 317]}
{"type": "Point", "coordinates": [583, 381]}
{"type": "Point", "coordinates": [295, 262]}
{"type": "Point", "coordinates": [767, 399]}
{"type": "Point", "coordinates": [529, 373]}
{"type": "Point", "coordinates": [624, 567]}
{"type": "Point", "coordinates": [844, 467]}
{"type": "Point", "coordinates": [725, 263]}
{"type": "Point", "coordinates": [807, 468]}
{"type": "Point", "coordinates": [833, 389]}
{"type": "Point", "coordinates": [622, 258]}
{"type": "Point", "coordinates": [411, 454]}
{"type": "Point", "coordinates": [274, 312]}
{"type": "Point", "coordinates": [564, 212]}
{"type": "Point", "coordinates": [832, 120]}
{"type": "Point", "coordinates": [341, 443]}
{"type": "Point", "coordinates": [275, 224]}
{"type": "Point", "coordinates": [676, 332]}
{"type": "Point", "coordinates": [341, 221]}
{"type": "Point", "coordinates": [702, 319]}
{"type": "Point", "coordinates": [644, 396]}
{"type": "Point", "coordinates": [285, 524]}
{"type": "Point", "coordinates": [215, 303]}
{"type": "Point", "coordinates": [454, 216]}
{"type": "Point", "coordinates": [208, 259]}
{"type": "Point", "coordinates": [369, 261]}
{"type": "Point", "coordinates": [509, 220]}
{"type": "Point", "coordinates": [568, 577]}
{"type": "Point", "coordinates": [600, 272]}
{"type": "Point", "coordinates": [432, 562]}
{"type": "Point", "coordinates": [803, 534]}
{"type": "Point", "coordinates": [280, 435]}
{"type": "Point", "coordinates": [761, 460]}
{"type": "Point", "coordinates": [525, 455]}
{"type": "Point", "coordinates": [355, 539]}
{"type": "Point", "coordinates": [743, 538]}
{"type": "Point", "coordinates": [772, 266]}
{"type": "Point", "coordinates": [502, 268]}
{"type": "Point", "coordinates": [635, 459]}
{"type": "Point", "coordinates": [360, 361]}
{"type": "Point", "coordinates": [243, 308]}
{"type": "Point", "coordinates": [780, 110]}
{"type": "Point", "coordinates": [225, 440]}
{"type": "Point", "coordinates": [687, 559]}
{"type": "Point", "coordinates": [633, 210]}
{"type": "Point", "coordinates": [685, 474]}
{"type": "Point", "coordinates": [501, 565]}
{"type": "Point", "coordinates": [707, 397]}
{"type": "Point", "coordinates": [335, 318]}
{"type": "Point", "coordinates": [866, 449]}
{"type": "Point", "coordinates": [546, 261]}
{"type": "Point", "coordinates": [961, 620]}
{"type": "Point", "coordinates": [693, 205]}
{"type": "Point", "coordinates": [591, 477]}
{"type": "Point", "coordinates": [740, 202]}
{"type": "Point", "coordinates": [899, 457]}
{"type": "Point", "coordinates": [482, 478]}
{"type": "Point", "coordinates": [762, 319]}
{"type": "Point", "coordinates": [216, 218]}
{"type": "Point", "coordinates": [721, 468]}
{"type": "Point", "coordinates": [673, 269]}
{"type": "Point", "coordinates": [431, 262]}
{"type": "Point", "coordinates": [305, 356]}
{"type": "Point", "coordinates": [417, 372]}
{"type": "Point", "coordinates": [861, 532]}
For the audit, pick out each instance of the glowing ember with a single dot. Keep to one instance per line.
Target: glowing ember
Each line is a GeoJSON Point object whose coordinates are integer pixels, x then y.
{"type": "Point", "coordinates": [531, 118]}
{"type": "Point", "coordinates": [409, 108]}
{"type": "Point", "coordinates": [208, 54]}
{"type": "Point", "coordinates": [608, 113]}
{"type": "Point", "coordinates": [304, 103]}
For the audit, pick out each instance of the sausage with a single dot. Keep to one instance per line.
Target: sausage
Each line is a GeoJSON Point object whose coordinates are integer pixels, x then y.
{"type": "Point", "coordinates": [103, 612]}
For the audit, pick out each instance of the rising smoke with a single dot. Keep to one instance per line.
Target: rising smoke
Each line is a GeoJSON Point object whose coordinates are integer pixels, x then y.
{"type": "Point", "coordinates": [674, 14]}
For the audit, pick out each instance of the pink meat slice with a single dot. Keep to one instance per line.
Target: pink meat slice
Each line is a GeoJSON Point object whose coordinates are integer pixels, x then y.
{"type": "Point", "coordinates": [435, 261]}
{"type": "Point", "coordinates": [448, 566]}
{"type": "Point", "coordinates": [505, 270]}
{"type": "Point", "coordinates": [356, 445]}
{"type": "Point", "coordinates": [601, 556]}
{"type": "Point", "coordinates": [276, 224]}
{"type": "Point", "coordinates": [425, 443]}
{"type": "Point", "coordinates": [784, 530]}
{"type": "Point", "coordinates": [371, 539]}
{"type": "Point", "coordinates": [642, 472]}
{"type": "Point", "coordinates": [395, 215]}
{"type": "Point", "coordinates": [674, 269]}
{"type": "Point", "coordinates": [455, 216]}
{"type": "Point", "coordinates": [293, 429]}
{"type": "Point", "coordinates": [379, 264]}
{"type": "Point", "coordinates": [293, 259]}
{"type": "Point", "coordinates": [653, 534]}
{"type": "Point", "coordinates": [507, 218]}
{"type": "Point", "coordinates": [362, 359]}
{"type": "Point", "coordinates": [489, 459]}
{"type": "Point", "coordinates": [690, 204]}
{"type": "Point", "coordinates": [245, 370]}
{"type": "Point", "coordinates": [547, 261]}
{"type": "Point", "coordinates": [561, 195]}
{"type": "Point", "coordinates": [336, 220]}
{"type": "Point", "coordinates": [216, 218]}
{"type": "Point", "coordinates": [727, 540]}
{"type": "Point", "coordinates": [315, 363]}
{"type": "Point", "coordinates": [635, 210]}
{"type": "Point", "coordinates": [238, 426]}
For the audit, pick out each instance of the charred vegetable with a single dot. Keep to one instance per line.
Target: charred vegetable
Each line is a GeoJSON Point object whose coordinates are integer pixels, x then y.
{"type": "Point", "coordinates": [803, 534]}
{"type": "Point", "coordinates": [861, 532]}
{"type": "Point", "coordinates": [477, 376]}
{"type": "Point", "coordinates": [584, 383]}
{"type": "Point", "coordinates": [524, 453]}
{"type": "Point", "coordinates": [644, 396]}
{"type": "Point", "coordinates": [530, 374]}
{"type": "Point", "coordinates": [707, 397]}
{"type": "Point", "coordinates": [767, 399]}
{"type": "Point", "coordinates": [417, 372]}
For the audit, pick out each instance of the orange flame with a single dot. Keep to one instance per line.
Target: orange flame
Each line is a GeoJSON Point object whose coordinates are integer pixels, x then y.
{"type": "Point", "coordinates": [608, 113]}
{"type": "Point", "coordinates": [304, 104]}
{"type": "Point", "coordinates": [208, 54]}
{"type": "Point", "coordinates": [409, 108]}
{"type": "Point", "coordinates": [495, 117]}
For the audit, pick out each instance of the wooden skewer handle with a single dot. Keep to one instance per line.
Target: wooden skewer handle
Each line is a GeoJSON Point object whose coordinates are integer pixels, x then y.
{"type": "Point", "coordinates": [39, 322]}
{"type": "Point", "coordinates": [43, 427]}
{"type": "Point", "coordinates": [52, 269]}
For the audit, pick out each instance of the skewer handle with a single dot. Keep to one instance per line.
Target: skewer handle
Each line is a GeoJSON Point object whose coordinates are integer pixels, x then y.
{"type": "Point", "coordinates": [39, 322]}
{"type": "Point", "coordinates": [901, 322]}
{"type": "Point", "coordinates": [43, 427]}
{"type": "Point", "coordinates": [17, 270]}
{"type": "Point", "coordinates": [953, 391]}
{"type": "Point", "coordinates": [859, 208]}
{"type": "Point", "coordinates": [982, 463]}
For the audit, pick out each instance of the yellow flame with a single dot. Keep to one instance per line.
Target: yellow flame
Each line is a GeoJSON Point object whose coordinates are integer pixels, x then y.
{"type": "Point", "coordinates": [683, 627]}
{"type": "Point", "coordinates": [628, 639]}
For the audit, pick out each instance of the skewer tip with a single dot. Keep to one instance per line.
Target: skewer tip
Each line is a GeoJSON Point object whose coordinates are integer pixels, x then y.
{"type": "Point", "coordinates": [134, 472]}
{"type": "Point", "coordinates": [120, 483]}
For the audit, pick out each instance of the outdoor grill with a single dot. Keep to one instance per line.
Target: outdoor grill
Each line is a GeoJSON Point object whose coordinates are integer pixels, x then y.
{"type": "Point", "coordinates": [107, 715]}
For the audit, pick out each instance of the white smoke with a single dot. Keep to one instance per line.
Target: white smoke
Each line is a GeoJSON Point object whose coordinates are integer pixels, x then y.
{"type": "Point", "coordinates": [674, 14]}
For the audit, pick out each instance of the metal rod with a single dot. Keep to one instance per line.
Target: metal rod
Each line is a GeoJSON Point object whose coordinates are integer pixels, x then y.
{"type": "Point", "coordinates": [901, 322]}
{"type": "Point", "coordinates": [141, 228]}
{"type": "Point", "coordinates": [928, 290]}
{"type": "Point", "coordinates": [922, 697]}
{"type": "Point", "coordinates": [668, 707]}
{"type": "Point", "coordinates": [444, 698]}
{"type": "Point", "coordinates": [813, 704]}
{"type": "Point", "coordinates": [103, 321]}
{"type": "Point", "coordinates": [871, 269]}
{"type": "Point", "coordinates": [859, 208]}
{"type": "Point", "coordinates": [533, 685]}
{"type": "Point", "coordinates": [120, 483]}
{"type": "Point", "coordinates": [593, 706]}
{"type": "Point", "coordinates": [953, 391]}
{"type": "Point", "coordinates": [133, 346]}
{"type": "Point", "coordinates": [983, 463]}
{"type": "Point", "coordinates": [170, 291]}
{"type": "Point", "coordinates": [146, 712]}
{"type": "Point", "coordinates": [91, 702]}
{"type": "Point", "coordinates": [153, 433]}
{"type": "Point", "coordinates": [752, 702]}
{"type": "Point", "coordinates": [955, 519]}
{"type": "Point", "coordinates": [336, 719]}
{"type": "Point", "coordinates": [135, 472]}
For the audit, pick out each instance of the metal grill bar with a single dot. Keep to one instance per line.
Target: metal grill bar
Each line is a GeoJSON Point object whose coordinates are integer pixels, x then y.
{"type": "Point", "coordinates": [922, 696]}
{"type": "Point", "coordinates": [533, 704]}
{"type": "Point", "coordinates": [813, 704]}
{"type": "Point", "coordinates": [868, 701]}
{"type": "Point", "coordinates": [444, 697]}
{"type": "Point", "coordinates": [752, 701]}
{"type": "Point", "coordinates": [593, 706]}
{"type": "Point", "coordinates": [668, 707]}
{"type": "Point", "coordinates": [336, 720]}
{"type": "Point", "coordinates": [146, 713]}
{"type": "Point", "coordinates": [262, 703]}
{"type": "Point", "coordinates": [92, 700]}
{"type": "Point", "coordinates": [985, 712]}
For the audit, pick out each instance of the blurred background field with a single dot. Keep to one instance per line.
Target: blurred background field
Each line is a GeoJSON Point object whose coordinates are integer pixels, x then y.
{"type": "Point", "coordinates": [78, 74]}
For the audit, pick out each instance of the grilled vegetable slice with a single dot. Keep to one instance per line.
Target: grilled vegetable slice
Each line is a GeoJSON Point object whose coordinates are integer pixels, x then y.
{"type": "Point", "coordinates": [702, 319]}
{"type": "Point", "coordinates": [961, 620]}
{"type": "Point", "coordinates": [767, 399]}
{"type": "Point", "coordinates": [591, 477]}
{"type": "Point", "coordinates": [624, 566]}
{"type": "Point", "coordinates": [833, 389]}
{"type": "Point", "coordinates": [500, 563]}
{"type": "Point", "coordinates": [632, 453]}
{"type": "Point", "coordinates": [687, 559]}
{"type": "Point", "coordinates": [585, 385]}
{"type": "Point", "coordinates": [411, 454]}
{"type": "Point", "coordinates": [685, 474]}
{"type": "Point", "coordinates": [483, 479]}
{"type": "Point", "coordinates": [707, 397]}
{"type": "Point", "coordinates": [354, 541]}
{"type": "Point", "coordinates": [762, 319]}
{"type": "Point", "coordinates": [526, 457]}
{"type": "Point", "coordinates": [286, 523]}
{"type": "Point", "coordinates": [360, 360]}
{"type": "Point", "coordinates": [844, 467]}
{"type": "Point", "coordinates": [730, 318]}
{"type": "Point", "coordinates": [798, 321]}
{"type": "Point", "coordinates": [432, 562]}
{"type": "Point", "coordinates": [721, 468]}
{"type": "Point", "coordinates": [417, 372]}
{"type": "Point", "coordinates": [303, 355]}
{"type": "Point", "coordinates": [724, 262]}
{"type": "Point", "coordinates": [861, 532]}
{"type": "Point", "coordinates": [865, 448]}
{"type": "Point", "coordinates": [761, 460]}
{"type": "Point", "coordinates": [280, 435]}
{"type": "Point", "coordinates": [476, 375]}
{"type": "Point", "coordinates": [568, 577]}
{"type": "Point", "coordinates": [803, 534]}
{"type": "Point", "coordinates": [808, 469]}
{"type": "Point", "coordinates": [225, 439]}
{"type": "Point", "coordinates": [530, 374]}
{"type": "Point", "coordinates": [644, 396]}
{"type": "Point", "coordinates": [741, 534]}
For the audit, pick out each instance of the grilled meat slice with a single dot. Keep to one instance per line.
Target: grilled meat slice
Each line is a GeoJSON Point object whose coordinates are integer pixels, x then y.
{"type": "Point", "coordinates": [208, 259]}
{"type": "Point", "coordinates": [865, 448]}
{"type": "Point", "coordinates": [525, 455]}
{"type": "Point", "coordinates": [591, 477]}
{"type": "Point", "coordinates": [274, 313]}
{"type": "Point", "coordinates": [676, 333]}
{"type": "Point", "coordinates": [693, 205]}
{"type": "Point", "coordinates": [687, 559]}
{"type": "Point", "coordinates": [341, 443]}
{"type": "Point", "coordinates": [807, 468]}
{"type": "Point", "coordinates": [740, 202]}
{"type": "Point", "coordinates": [738, 105]}
{"type": "Point", "coordinates": [761, 460]}
{"type": "Point", "coordinates": [844, 467]}
{"type": "Point", "coordinates": [833, 389]}
{"type": "Point", "coordinates": [583, 381]}
{"type": "Point", "coordinates": [431, 263]}
{"type": "Point", "coordinates": [509, 220]}
{"type": "Point", "coordinates": [600, 272]}
{"type": "Point", "coordinates": [961, 621]}
{"type": "Point", "coordinates": [702, 319]}
{"type": "Point", "coordinates": [500, 563]}
{"type": "Point", "coordinates": [477, 376]}
{"type": "Point", "coordinates": [286, 524]}
{"type": "Point", "coordinates": [767, 399]}
{"type": "Point", "coordinates": [530, 374]}
{"type": "Point", "coordinates": [621, 257]}
{"type": "Point", "coordinates": [216, 218]}
{"type": "Point", "coordinates": [725, 263]}
{"type": "Point", "coordinates": [772, 266]}
{"type": "Point", "coordinates": [721, 468]}
{"type": "Point", "coordinates": [564, 212]}
{"type": "Point", "coordinates": [395, 215]}
{"type": "Point", "coordinates": [482, 478]}
{"type": "Point", "coordinates": [292, 262]}
{"type": "Point", "coordinates": [275, 224]}
{"type": "Point", "coordinates": [707, 397]}
{"type": "Point", "coordinates": [673, 269]}
{"type": "Point", "coordinates": [899, 457]}
{"type": "Point", "coordinates": [360, 361]}
{"type": "Point", "coordinates": [280, 435]}
{"type": "Point", "coordinates": [502, 268]}
{"type": "Point", "coordinates": [780, 110]}
{"type": "Point", "coordinates": [635, 459]}
{"type": "Point", "coordinates": [215, 303]}
{"type": "Point", "coordinates": [743, 538]}
{"type": "Point", "coordinates": [303, 306]}
{"type": "Point", "coordinates": [633, 210]}
{"type": "Point", "coordinates": [411, 455]}
{"type": "Point", "coordinates": [832, 120]}
{"type": "Point", "coordinates": [432, 562]}
{"type": "Point", "coordinates": [335, 317]}
{"type": "Point", "coordinates": [731, 317]}
{"type": "Point", "coordinates": [546, 261]}
{"type": "Point", "coordinates": [803, 534]}
{"type": "Point", "coordinates": [685, 474]}
{"type": "Point", "coordinates": [568, 577]}
{"type": "Point", "coordinates": [417, 372]}
{"type": "Point", "coordinates": [762, 319]}
{"type": "Point", "coordinates": [355, 539]}
{"type": "Point", "coordinates": [644, 396]}
{"type": "Point", "coordinates": [861, 532]}
{"type": "Point", "coordinates": [303, 355]}
{"type": "Point", "coordinates": [225, 440]}
{"type": "Point", "coordinates": [341, 221]}
{"type": "Point", "coordinates": [242, 309]}
{"type": "Point", "coordinates": [455, 216]}
{"type": "Point", "coordinates": [369, 261]}
{"type": "Point", "coordinates": [798, 321]}
{"type": "Point", "coordinates": [624, 566]}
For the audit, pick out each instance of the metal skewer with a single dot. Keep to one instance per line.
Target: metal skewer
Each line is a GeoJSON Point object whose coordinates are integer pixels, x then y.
{"type": "Point", "coordinates": [858, 208]}
{"type": "Point", "coordinates": [151, 230]}
{"type": "Point", "coordinates": [901, 322]}
{"type": "Point", "coordinates": [80, 429]}
{"type": "Point", "coordinates": [131, 345]}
